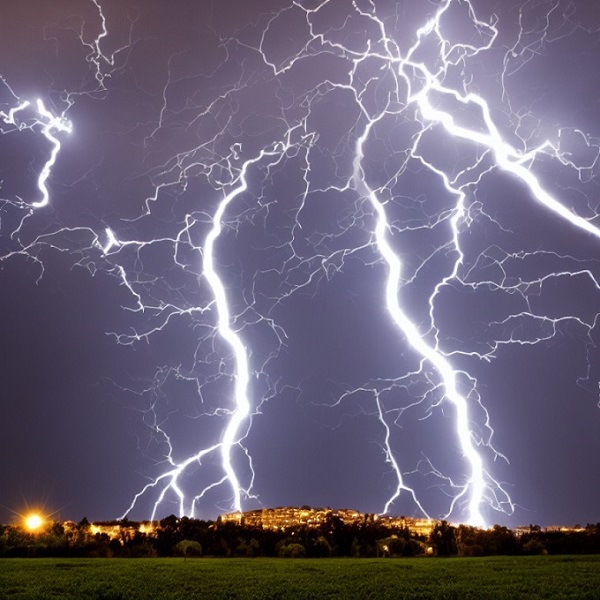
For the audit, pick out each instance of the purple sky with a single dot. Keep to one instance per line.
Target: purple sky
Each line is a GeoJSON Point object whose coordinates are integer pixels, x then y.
{"type": "Point", "coordinates": [165, 110]}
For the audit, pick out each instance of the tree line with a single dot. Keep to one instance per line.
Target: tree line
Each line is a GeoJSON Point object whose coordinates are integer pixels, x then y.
{"type": "Point", "coordinates": [188, 537]}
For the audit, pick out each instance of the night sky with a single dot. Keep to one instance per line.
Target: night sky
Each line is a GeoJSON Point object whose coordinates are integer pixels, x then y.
{"type": "Point", "coordinates": [111, 359]}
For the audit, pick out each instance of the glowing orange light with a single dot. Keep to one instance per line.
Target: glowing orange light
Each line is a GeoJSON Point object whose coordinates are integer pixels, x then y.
{"type": "Point", "coordinates": [33, 522]}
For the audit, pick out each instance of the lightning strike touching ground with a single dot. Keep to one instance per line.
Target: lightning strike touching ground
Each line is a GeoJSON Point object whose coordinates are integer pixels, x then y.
{"type": "Point", "coordinates": [349, 208]}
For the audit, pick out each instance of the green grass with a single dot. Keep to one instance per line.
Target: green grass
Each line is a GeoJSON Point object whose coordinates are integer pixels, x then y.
{"type": "Point", "coordinates": [262, 578]}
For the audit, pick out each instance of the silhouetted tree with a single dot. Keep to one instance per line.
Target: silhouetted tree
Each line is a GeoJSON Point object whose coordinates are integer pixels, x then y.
{"type": "Point", "coordinates": [187, 548]}
{"type": "Point", "coordinates": [443, 539]}
{"type": "Point", "coordinates": [168, 535]}
{"type": "Point", "coordinates": [501, 540]}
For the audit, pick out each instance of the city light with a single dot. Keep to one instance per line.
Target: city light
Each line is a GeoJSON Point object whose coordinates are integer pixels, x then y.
{"type": "Point", "coordinates": [34, 522]}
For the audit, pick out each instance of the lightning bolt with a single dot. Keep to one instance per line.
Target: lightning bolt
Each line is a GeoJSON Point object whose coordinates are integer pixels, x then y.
{"type": "Point", "coordinates": [423, 88]}
{"type": "Point", "coordinates": [238, 419]}
{"type": "Point", "coordinates": [506, 158]}
{"type": "Point", "coordinates": [48, 125]}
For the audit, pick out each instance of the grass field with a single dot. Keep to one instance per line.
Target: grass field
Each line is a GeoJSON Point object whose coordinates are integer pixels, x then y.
{"type": "Point", "coordinates": [263, 578]}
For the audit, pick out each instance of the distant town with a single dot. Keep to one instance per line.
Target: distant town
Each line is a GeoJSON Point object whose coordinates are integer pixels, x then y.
{"type": "Point", "coordinates": [288, 532]}
{"type": "Point", "coordinates": [283, 518]}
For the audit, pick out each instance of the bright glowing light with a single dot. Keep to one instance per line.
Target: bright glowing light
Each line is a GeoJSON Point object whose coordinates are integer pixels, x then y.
{"type": "Point", "coordinates": [42, 120]}
{"type": "Point", "coordinates": [33, 522]}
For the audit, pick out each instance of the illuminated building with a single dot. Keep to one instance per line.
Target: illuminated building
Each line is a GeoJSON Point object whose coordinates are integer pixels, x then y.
{"type": "Point", "coordinates": [286, 517]}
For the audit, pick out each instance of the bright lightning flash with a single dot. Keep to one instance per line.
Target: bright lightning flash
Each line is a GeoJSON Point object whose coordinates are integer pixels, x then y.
{"type": "Point", "coordinates": [48, 125]}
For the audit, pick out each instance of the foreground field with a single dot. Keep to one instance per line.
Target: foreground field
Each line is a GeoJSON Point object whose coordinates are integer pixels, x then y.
{"type": "Point", "coordinates": [454, 578]}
